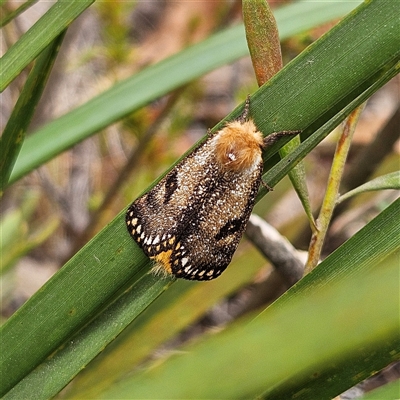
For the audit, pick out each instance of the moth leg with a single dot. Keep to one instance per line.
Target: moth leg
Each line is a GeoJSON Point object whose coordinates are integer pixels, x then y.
{"type": "Point", "coordinates": [265, 184]}
{"type": "Point", "coordinates": [275, 136]}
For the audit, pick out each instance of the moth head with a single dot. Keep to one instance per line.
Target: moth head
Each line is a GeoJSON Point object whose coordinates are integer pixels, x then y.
{"type": "Point", "coordinates": [238, 146]}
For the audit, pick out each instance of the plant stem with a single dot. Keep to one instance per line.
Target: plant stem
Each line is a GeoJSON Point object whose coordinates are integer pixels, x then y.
{"type": "Point", "coordinates": [332, 191]}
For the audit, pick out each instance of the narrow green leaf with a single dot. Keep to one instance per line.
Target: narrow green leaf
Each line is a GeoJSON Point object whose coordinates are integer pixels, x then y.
{"type": "Point", "coordinates": [14, 133]}
{"type": "Point", "coordinates": [40, 35]}
{"type": "Point", "coordinates": [89, 342]}
{"type": "Point", "coordinates": [142, 88]}
{"type": "Point", "coordinates": [388, 181]}
{"type": "Point", "coordinates": [62, 366]}
{"type": "Point", "coordinates": [10, 16]}
{"type": "Point", "coordinates": [298, 178]}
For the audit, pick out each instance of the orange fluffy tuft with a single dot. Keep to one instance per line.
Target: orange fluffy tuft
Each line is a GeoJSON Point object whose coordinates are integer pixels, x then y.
{"type": "Point", "coordinates": [238, 145]}
{"type": "Point", "coordinates": [163, 262]}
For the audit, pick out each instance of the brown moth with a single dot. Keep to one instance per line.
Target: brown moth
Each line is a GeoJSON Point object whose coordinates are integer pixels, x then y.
{"type": "Point", "coordinates": [190, 223]}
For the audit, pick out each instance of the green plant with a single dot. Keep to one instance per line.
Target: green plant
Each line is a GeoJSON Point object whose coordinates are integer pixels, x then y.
{"type": "Point", "coordinates": [106, 286]}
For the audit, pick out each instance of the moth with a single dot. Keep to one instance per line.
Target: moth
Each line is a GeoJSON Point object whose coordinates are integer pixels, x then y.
{"type": "Point", "coordinates": [190, 223]}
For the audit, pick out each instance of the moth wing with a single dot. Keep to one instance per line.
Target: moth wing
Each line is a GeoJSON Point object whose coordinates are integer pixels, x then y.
{"type": "Point", "coordinates": [156, 220]}
{"type": "Point", "coordinates": [209, 241]}
{"type": "Point", "coordinates": [191, 222]}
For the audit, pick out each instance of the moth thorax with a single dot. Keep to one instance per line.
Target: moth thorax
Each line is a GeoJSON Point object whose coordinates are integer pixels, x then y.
{"type": "Point", "coordinates": [238, 146]}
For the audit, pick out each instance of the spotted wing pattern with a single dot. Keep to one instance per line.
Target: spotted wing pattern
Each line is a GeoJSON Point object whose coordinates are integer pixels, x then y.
{"type": "Point", "coordinates": [191, 222]}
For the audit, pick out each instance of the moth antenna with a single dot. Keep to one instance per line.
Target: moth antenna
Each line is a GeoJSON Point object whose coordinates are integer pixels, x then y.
{"type": "Point", "coordinates": [245, 114]}
{"type": "Point", "coordinates": [274, 137]}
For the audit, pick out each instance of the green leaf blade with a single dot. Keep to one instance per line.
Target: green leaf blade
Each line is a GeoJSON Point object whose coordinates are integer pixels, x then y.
{"type": "Point", "coordinates": [35, 40]}
{"type": "Point", "coordinates": [388, 181]}
{"type": "Point", "coordinates": [13, 136]}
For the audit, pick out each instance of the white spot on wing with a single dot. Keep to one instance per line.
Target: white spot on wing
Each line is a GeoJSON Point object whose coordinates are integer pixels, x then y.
{"type": "Point", "coordinates": [184, 261]}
